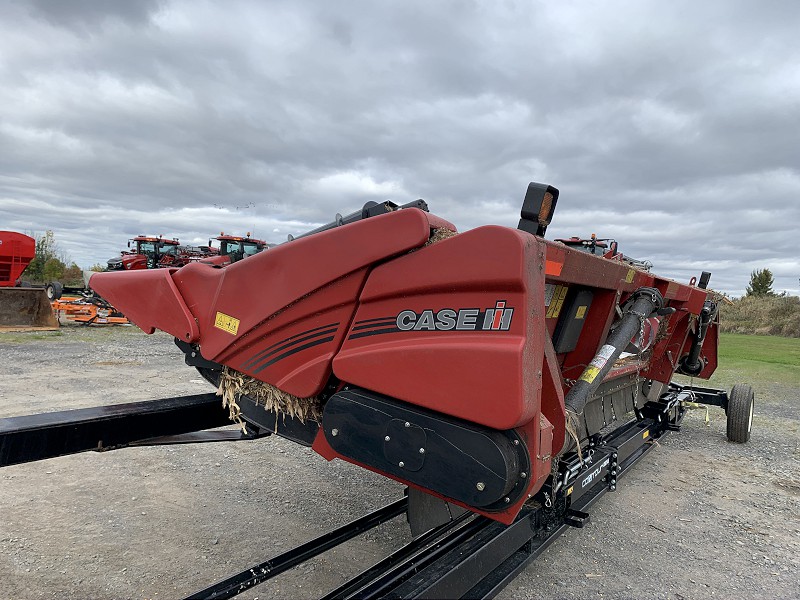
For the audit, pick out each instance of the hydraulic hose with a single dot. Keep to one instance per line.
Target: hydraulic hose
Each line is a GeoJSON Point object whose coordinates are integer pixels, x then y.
{"type": "Point", "coordinates": [692, 364]}
{"type": "Point", "coordinates": [643, 303]}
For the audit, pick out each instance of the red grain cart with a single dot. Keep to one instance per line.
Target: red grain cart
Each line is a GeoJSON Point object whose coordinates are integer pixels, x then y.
{"type": "Point", "coordinates": [21, 305]}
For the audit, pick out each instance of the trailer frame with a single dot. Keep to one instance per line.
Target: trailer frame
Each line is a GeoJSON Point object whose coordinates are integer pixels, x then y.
{"type": "Point", "coordinates": [467, 556]}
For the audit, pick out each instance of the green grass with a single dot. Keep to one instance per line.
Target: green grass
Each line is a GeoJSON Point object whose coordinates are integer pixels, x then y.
{"type": "Point", "coordinates": [25, 337]}
{"type": "Point", "coordinates": [80, 333]}
{"type": "Point", "coordinates": [759, 358]}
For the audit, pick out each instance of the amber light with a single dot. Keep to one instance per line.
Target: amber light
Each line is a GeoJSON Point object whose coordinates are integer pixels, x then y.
{"type": "Point", "coordinates": [546, 212]}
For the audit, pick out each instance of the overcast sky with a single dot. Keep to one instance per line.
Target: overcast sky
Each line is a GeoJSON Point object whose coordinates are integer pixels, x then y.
{"type": "Point", "coordinates": [673, 127]}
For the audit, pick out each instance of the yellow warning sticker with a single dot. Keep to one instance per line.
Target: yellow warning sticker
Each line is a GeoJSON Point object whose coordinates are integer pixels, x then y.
{"type": "Point", "coordinates": [226, 323]}
{"type": "Point", "coordinates": [569, 491]}
{"type": "Point", "coordinates": [556, 303]}
{"type": "Point", "coordinates": [629, 276]}
{"type": "Point", "coordinates": [645, 434]}
{"type": "Point", "coordinates": [581, 312]}
{"type": "Point", "coordinates": [589, 374]}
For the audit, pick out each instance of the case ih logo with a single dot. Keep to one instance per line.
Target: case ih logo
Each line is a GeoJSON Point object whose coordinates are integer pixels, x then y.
{"type": "Point", "coordinates": [465, 319]}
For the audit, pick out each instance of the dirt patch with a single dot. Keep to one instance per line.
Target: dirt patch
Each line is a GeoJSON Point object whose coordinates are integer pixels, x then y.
{"type": "Point", "coordinates": [698, 518]}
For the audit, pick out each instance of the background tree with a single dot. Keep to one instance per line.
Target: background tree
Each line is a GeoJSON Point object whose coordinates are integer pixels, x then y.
{"type": "Point", "coordinates": [72, 273]}
{"type": "Point", "coordinates": [49, 263]}
{"type": "Point", "coordinates": [53, 269]}
{"type": "Point", "coordinates": [761, 281]}
{"type": "Point", "coordinates": [45, 250]}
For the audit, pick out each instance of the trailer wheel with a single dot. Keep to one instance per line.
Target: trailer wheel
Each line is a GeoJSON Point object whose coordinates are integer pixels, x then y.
{"type": "Point", "coordinates": [54, 290]}
{"type": "Point", "coordinates": [740, 413]}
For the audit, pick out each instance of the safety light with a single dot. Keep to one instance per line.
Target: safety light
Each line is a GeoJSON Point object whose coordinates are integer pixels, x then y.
{"type": "Point", "coordinates": [538, 208]}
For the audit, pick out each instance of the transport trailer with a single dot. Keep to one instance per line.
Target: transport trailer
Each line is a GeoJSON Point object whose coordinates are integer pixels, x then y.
{"type": "Point", "coordinates": [506, 380]}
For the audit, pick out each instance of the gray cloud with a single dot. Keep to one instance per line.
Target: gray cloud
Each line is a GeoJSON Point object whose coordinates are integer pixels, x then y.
{"type": "Point", "coordinates": [670, 127]}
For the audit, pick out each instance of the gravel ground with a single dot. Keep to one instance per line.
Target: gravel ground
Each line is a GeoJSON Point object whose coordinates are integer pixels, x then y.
{"type": "Point", "coordinates": [697, 518]}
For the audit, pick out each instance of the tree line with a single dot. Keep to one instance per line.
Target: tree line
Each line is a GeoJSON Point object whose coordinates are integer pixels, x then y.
{"type": "Point", "coordinates": [51, 264]}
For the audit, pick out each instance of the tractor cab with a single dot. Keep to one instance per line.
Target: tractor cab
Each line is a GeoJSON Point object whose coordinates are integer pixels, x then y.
{"type": "Point", "coordinates": [237, 248]}
{"type": "Point", "coordinates": [605, 247]}
{"type": "Point", "coordinates": [147, 253]}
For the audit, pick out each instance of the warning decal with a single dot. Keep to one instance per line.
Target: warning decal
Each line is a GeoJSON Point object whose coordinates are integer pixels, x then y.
{"type": "Point", "coordinates": [226, 323]}
{"type": "Point", "coordinates": [557, 301]}
{"type": "Point", "coordinates": [590, 374]}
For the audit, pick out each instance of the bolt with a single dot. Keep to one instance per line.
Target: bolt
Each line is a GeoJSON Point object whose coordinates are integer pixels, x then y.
{"type": "Point", "coordinates": [481, 486]}
{"type": "Point", "coordinates": [506, 499]}
{"type": "Point", "coordinates": [614, 456]}
{"type": "Point", "coordinates": [334, 432]}
{"type": "Point", "coordinates": [386, 439]}
{"type": "Point", "coordinates": [422, 450]}
{"type": "Point", "coordinates": [613, 471]}
{"type": "Point", "coordinates": [613, 487]}
{"type": "Point", "coordinates": [523, 474]}
{"type": "Point", "coordinates": [516, 442]}
{"type": "Point", "coordinates": [408, 424]}
{"type": "Point", "coordinates": [402, 464]}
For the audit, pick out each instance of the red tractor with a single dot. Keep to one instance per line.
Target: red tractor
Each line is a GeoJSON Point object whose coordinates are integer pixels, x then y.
{"type": "Point", "coordinates": [147, 253]}
{"type": "Point", "coordinates": [233, 248]}
{"type": "Point", "coordinates": [158, 252]}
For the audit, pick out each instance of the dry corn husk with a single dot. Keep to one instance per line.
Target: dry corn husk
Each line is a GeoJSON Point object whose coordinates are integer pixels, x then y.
{"type": "Point", "coordinates": [438, 234]}
{"type": "Point", "coordinates": [234, 384]}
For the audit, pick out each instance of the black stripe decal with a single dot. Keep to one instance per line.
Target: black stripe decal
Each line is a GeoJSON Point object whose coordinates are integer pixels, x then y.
{"type": "Point", "coordinates": [264, 354]}
{"type": "Point", "coordinates": [382, 323]}
{"type": "Point", "coordinates": [296, 335]}
{"type": "Point", "coordinates": [378, 319]}
{"type": "Point", "coordinates": [355, 336]}
{"type": "Point", "coordinates": [294, 351]}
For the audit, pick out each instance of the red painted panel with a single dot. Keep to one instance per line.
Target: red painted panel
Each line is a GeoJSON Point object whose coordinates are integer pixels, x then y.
{"type": "Point", "coordinates": [293, 350]}
{"type": "Point", "coordinates": [252, 314]}
{"type": "Point", "coordinates": [253, 290]}
{"type": "Point", "coordinates": [149, 299]}
{"type": "Point", "coordinates": [488, 376]}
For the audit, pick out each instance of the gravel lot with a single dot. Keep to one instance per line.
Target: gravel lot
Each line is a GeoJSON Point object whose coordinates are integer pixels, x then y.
{"type": "Point", "coordinates": [697, 518]}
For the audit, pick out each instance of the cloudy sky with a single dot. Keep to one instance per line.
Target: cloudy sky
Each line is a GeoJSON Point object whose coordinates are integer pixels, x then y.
{"type": "Point", "coordinates": [673, 127]}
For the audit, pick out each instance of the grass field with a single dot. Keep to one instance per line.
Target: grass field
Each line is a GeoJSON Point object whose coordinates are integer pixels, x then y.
{"type": "Point", "coordinates": [759, 358]}
{"type": "Point", "coordinates": [742, 358]}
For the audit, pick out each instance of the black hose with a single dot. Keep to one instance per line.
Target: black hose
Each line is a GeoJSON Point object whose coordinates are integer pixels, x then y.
{"type": "Point", "coordinates": [643, 303]}
{"type": "Point", "coordinates": [691, 364]}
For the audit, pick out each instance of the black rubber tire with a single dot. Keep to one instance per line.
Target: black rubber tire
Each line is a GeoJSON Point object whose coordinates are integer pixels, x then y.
{"type": "Point", "coordinates": [54, 290]}
{"type": "Point", "coordinates": [741, 403]}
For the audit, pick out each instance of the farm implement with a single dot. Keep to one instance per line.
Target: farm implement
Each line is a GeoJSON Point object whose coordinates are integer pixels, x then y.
{"type": "Point", "coordinates": [22, 305]}
{"type": "Point", "coordinates": [88, 310]}
{"type": "Point", "coordinates": [508, 381]}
